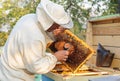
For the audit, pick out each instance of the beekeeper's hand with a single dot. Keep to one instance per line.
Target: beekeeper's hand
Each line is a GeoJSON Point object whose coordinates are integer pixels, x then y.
{"type": "Point", "coordinates": [59, 30]}
{"type": "Point", "coordinates": [61, 55]}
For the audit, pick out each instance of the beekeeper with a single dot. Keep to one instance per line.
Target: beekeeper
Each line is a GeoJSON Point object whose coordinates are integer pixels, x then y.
{"type": "Point", "coordinates": [24, 53]}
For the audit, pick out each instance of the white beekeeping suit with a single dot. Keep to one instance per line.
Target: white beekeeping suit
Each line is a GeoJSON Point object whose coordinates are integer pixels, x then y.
{"type": "Point", "coordinates": [25, 50]}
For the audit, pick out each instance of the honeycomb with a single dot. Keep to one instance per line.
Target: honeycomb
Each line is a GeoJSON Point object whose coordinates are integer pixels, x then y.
{"type": "Point", "coordinates": [81, 52]}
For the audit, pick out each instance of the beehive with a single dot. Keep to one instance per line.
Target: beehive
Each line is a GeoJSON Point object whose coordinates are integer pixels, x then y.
{"type": "Point", "coordinates": [105, 30]}
{"type": "Point", "coordinates": [81, 53]}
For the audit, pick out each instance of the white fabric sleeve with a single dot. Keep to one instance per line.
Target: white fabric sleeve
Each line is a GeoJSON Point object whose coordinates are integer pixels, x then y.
{"type": "Point", "coordinates": [35, 58]}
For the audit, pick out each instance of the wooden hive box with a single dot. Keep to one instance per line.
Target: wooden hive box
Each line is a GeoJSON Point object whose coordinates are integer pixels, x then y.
{"type": "Point", "coordinates": [105, 30]}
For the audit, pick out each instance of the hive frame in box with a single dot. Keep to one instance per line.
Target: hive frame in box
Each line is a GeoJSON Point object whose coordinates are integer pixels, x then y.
{"type": "Point", "coordinates": [81, 44]}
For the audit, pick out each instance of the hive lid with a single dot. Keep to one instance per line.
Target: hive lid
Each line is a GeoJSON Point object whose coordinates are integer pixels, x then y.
{"type": "Point", "coordinates": [82, 51]}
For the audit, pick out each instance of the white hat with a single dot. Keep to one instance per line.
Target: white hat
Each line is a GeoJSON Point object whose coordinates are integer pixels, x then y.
{"type": "Point", "coordinates": [56, 13]}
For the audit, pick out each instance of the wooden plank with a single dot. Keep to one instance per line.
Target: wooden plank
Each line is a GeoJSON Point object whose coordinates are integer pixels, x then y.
{"type": "Point", "coordinates": [102, 22]}
{"type": "Point", "coordinates": [107, 40]}
{"type": "Point", "coordinates": [89, 39]}
{"type": "Point", "coordinates": [117, 20]}
{"type": "Point", "coordinates": [112, 49]}
{"type": "Point", "coordinates": [116, 63]}
{"type": "Point", "coordinates": [105, 18]}
{"type": "Point", "coordinates": [106, 21]}
{"type": "Point", "coordinates": [92, 61]}
{"type": "Point", "coordinates": [107, 29]}
{"type": "Point", "coordinates": [107, 25]}
{"type": "Point", "coordinates": [76, 77]}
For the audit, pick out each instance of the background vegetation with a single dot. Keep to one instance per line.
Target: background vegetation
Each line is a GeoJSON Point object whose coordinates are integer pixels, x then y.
{"type": "Point", "coordinates": [79, 10]}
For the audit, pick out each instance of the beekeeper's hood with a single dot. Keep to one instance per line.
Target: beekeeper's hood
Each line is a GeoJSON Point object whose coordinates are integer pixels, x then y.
{"type": "Point", "coordinates": [49, 12]}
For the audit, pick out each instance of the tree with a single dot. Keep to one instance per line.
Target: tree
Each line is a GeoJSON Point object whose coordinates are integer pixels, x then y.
{"type": "Point", "coordinates": [82, 10]}
{"type": "Point", "coordinates": [117, 5]}
{"type": "Point", "coordinates": [12, 10]}
{"type": "Point", "coordinates": [113, 7]}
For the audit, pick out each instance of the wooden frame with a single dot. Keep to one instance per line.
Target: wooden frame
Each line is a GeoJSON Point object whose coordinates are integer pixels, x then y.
{"type": "Point", "coordinates": [105, 30]}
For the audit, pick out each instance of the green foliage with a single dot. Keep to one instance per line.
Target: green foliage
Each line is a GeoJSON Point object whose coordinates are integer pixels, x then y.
{"type": "Point", "coordinates": [112, 7]}
{"type": "Point", "coordinates": [3, 38]}
{"type": "Point", "coordinates": [15, 11]}
{"type": "Point", "coordinates": [12, 10]}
